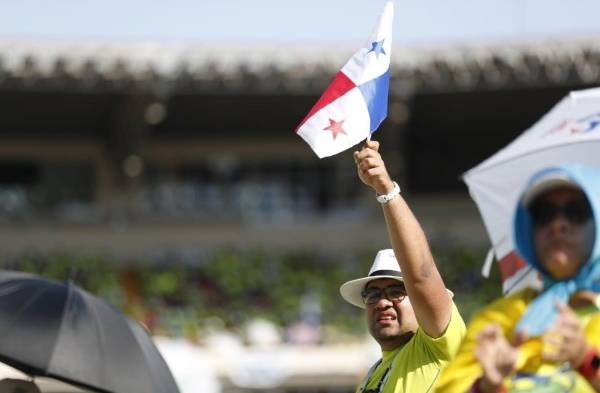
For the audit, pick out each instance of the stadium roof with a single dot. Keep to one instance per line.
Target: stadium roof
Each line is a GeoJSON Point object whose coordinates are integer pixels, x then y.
{"type": "Point", "coordinates": [167, 67]}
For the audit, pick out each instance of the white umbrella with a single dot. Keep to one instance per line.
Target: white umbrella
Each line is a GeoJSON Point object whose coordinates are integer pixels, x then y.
{"type": "Point", "coordinates": [570, 132]}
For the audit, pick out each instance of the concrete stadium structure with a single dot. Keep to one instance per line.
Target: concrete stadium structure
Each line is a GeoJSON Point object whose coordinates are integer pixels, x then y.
{"type": "Point", "coordinates": [140, 148]}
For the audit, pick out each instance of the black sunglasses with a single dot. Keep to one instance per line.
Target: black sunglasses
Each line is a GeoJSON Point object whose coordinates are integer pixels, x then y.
{"type": "Point", "coordinates": [577, 212]}
{"type": "Point", "coordinates": [394, 293]}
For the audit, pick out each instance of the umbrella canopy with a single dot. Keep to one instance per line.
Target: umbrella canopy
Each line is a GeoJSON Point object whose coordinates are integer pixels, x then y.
{"type": "Point", "coordinates": [61, 331]}
{"type": "Point", "coordinates": [569, 133]}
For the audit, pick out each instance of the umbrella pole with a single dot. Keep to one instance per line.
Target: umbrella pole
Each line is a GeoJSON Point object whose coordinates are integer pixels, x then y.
{"type": "Point", "coordinates": [487, 264]}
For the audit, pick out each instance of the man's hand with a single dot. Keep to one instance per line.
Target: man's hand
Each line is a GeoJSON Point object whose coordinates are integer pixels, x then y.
{"type": "Point", "coordinates": [496, 356]}
{"type": "Point", "coordinates": [565, 341]}
{"type": "Point", "coordinates": [371, 168]}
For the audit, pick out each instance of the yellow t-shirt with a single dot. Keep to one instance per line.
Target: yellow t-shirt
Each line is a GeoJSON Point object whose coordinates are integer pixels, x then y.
{"type": "Point", "coordinates": [416, 365]}
{"type": "Point", "coordinates": [533, 375]}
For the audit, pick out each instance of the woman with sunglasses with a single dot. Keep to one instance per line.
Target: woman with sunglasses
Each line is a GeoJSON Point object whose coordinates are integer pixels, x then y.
{"type": "Point", "coordinates": [544, 340]}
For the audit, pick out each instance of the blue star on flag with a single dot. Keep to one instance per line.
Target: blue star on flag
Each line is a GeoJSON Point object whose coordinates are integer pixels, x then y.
{"type": "Point", "coordinates": [377, 47]}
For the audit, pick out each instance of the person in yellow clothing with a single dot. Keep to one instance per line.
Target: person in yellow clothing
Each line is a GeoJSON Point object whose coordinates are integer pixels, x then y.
{"type": "Point", "coordinates": [543, 341]}
{"type": "Point", "coordinates": [409, 312]}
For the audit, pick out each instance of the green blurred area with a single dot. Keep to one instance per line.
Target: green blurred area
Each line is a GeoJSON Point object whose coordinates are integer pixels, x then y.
{"type": "Point", "coordinates": [226, 289]}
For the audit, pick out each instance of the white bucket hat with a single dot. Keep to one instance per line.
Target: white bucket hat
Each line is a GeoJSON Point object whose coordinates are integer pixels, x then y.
{"type": "Point", "coordinates": [385, 265]}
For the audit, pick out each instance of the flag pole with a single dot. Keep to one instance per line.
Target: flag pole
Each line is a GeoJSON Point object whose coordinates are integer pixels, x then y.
{"type": "Point", "coordinates": [364, 144]}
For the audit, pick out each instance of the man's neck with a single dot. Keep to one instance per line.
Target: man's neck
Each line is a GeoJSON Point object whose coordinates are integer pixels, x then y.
{"type": "Point", "coordinates": [397, 342]}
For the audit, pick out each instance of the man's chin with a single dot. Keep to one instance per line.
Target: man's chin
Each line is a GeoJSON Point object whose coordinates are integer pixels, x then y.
{"type": "Point", "coordinates": [387, 333]}
{"type": "Point", "coordinates": [397, 337]}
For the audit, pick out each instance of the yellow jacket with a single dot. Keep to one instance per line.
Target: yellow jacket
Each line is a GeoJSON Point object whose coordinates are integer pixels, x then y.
{"type": "Point", "coordinates": [461, 373]}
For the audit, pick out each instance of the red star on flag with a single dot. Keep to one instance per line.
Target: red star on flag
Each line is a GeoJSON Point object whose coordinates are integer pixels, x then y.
{"type": "Point", "coordinates": [335, 127]}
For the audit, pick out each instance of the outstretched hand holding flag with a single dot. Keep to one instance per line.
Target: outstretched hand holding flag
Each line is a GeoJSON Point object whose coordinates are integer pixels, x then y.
{"type": "Point", "coordinates": [355, 103]}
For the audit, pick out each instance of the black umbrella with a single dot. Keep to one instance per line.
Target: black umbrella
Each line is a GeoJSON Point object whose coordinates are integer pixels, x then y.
{"type": "Point", "coordinates": [61, 331]}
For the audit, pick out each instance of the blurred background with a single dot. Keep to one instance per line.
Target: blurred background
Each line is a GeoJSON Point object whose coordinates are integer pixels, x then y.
{"type": "Point", "coordinates": [147, 154]}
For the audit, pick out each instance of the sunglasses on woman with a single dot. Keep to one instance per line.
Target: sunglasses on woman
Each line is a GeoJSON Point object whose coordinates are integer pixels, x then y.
{"type": "Point", "coordinates": [575, 211]}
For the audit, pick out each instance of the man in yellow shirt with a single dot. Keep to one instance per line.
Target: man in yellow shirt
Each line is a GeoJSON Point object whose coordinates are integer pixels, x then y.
{"type": "Point", "coordinates": [544, 341]}
{"type": "Point", "coordinates": [408, 309]}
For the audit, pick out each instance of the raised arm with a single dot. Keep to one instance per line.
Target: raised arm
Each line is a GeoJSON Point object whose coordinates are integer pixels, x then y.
{"type": "Point", "coordinates": [424, 285]}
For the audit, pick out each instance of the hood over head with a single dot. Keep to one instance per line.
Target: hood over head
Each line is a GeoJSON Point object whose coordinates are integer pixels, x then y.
{"type": "Point", "coordinates": [585, 178]}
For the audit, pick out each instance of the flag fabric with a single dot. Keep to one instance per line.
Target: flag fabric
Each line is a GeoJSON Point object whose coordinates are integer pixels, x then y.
{"type": "Point", "coordinates": [355, 103]}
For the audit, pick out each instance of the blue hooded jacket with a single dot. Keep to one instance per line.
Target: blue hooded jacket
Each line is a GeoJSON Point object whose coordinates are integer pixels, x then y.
{"type": "Point", "coordinates": [542, 312]}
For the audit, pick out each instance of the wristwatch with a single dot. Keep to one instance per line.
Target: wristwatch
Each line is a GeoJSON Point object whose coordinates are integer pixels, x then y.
{"type": "Point", "coordinates": [385, 198]}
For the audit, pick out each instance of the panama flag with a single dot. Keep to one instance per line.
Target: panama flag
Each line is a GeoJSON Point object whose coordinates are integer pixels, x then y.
{"type": "Point", "coordinates": [355, 103]}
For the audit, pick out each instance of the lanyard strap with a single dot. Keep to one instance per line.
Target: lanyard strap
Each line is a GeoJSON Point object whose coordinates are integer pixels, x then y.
{"type": "Point", "coordinates": [369, 374]}
{"type": "Point", "coordinates": [382, 381]}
